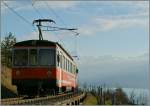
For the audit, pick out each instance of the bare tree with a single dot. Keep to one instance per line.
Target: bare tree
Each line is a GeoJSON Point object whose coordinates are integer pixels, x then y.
{"type": "Point", "coordinates": [142, 99]}
{"type": "Point", "coordinates": [132, 98]}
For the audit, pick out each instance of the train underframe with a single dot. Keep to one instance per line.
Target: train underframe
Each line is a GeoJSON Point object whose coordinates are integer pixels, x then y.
{"type": "Point", "coordinates": [39, 87]}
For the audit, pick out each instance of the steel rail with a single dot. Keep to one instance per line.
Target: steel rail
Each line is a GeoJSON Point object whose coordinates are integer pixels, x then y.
{"type": "Point", "coordinates": [39, 100]}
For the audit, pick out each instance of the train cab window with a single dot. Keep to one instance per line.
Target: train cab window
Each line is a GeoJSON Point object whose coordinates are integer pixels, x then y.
{"type": "Point", "coordinates": [33, 57]}
{"type": "Point", "coordinates": [46, 57]}
{"type": "Point", "coordinates": [20, 57]}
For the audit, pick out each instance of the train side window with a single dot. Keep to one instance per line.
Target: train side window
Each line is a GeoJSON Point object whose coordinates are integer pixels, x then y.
{"type": "Point", "coordinates": [70, 67]}
{"type": "Point", "coordinates": [66, 63]}
{"type": "Point", "coordinates": [58, 60]}
{"type": "Point", "coordinates": [74, 69]}
{"type": "Point", "coordinates": [77, 71]}
{"type": "Point", "coordinates": [33, 57]}
{"type": "Point", "coordinates": [63, 62]}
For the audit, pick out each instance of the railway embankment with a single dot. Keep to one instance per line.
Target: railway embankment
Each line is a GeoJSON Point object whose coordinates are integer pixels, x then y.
{"type": "Point", "coordinates": [90, 100]}
{"type": "Point", "coordinates": [72, 98]}
{"type": "Point", "coordinates": [7, 93]}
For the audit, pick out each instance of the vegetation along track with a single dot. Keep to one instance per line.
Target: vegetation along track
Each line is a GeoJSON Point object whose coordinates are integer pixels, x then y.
{"type": "Point", "coordinates": [57, 99]}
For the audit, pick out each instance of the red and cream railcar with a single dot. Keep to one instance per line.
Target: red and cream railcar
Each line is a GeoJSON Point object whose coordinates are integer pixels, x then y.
{"type": "Point", "coordinates": [41, 66]}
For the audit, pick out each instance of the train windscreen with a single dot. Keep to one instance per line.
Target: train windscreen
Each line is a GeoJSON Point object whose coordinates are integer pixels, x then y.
{"type": "Point", "coordinates": [34, 57]}
{"type": "Point", "coordinates": [20, 57]}
{"type": "Point", "coordinates": [46, 57]}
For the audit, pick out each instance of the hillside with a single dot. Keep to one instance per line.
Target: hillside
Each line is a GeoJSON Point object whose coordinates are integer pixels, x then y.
{"type": "Point", "coordinates": [7, 89]}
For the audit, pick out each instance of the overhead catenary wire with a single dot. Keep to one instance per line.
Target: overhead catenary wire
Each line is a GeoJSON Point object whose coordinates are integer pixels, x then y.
{"type": "Point", "coordinates": [33, 3]}
{"type": "Point", "coordinates": [20, 16]}
{"type": "Point", "coordinates": [58, 17]}
{"type": "Point", "coordinates": [15, 12]}
{"type": "Point", "coordinates": [53, 11]}
{"type": "Point", "coordinates": [28, 22]}
{"type": "Point", "coordinates": [36, 10]}
{"type": "Point", "coordinates": [57, 28]}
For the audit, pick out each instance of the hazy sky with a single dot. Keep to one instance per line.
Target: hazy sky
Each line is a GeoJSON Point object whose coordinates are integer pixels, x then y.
{"type": "Point", "coordinates": [113, 42]}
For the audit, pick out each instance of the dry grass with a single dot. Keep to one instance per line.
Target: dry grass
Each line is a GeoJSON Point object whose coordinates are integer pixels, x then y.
{"type": "Point", "coordinates": [6, 79]}
{"type": "Point", "coordinates": [90, 100]}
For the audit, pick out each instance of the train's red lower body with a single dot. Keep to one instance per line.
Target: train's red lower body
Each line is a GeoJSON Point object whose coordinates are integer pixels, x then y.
{"type": "Point", "coordinates": [28, 79]}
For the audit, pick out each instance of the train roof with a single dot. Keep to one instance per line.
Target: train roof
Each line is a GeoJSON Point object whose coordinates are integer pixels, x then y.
{"type": "Point", "coordinates": [35, 43]}
{"type": "Point", "coordinates": [41, 43]}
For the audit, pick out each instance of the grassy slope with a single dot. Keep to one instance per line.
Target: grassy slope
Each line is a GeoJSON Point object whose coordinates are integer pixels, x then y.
{"type": "Point", "coordinates": [7, 89]}
{"type": "Point", "coordinates": [90, 100]}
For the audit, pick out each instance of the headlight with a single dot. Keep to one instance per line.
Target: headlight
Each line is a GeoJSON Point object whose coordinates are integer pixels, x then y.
{"type": "Point", "coordinates": [17, 72]}
{"type": "Point", "coordinates": [48, 73]}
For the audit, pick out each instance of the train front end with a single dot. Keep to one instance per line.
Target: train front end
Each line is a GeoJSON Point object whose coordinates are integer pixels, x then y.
{"type": "Point", "coordinates": [33, 67]}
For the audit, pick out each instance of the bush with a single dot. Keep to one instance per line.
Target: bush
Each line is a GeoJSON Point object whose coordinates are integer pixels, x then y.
{"type": "Point", "coordinates": [6, 49]}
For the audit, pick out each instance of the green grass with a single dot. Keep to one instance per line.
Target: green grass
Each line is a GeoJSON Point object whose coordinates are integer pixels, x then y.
{"type": "Point", "coordinates": [90, 100]}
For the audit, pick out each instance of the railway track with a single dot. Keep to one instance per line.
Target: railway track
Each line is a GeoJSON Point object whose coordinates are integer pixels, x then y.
{"type": "Point", "coordinates": [10, 99]}
{"type": "Point", "coordinates": [57, 99]}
